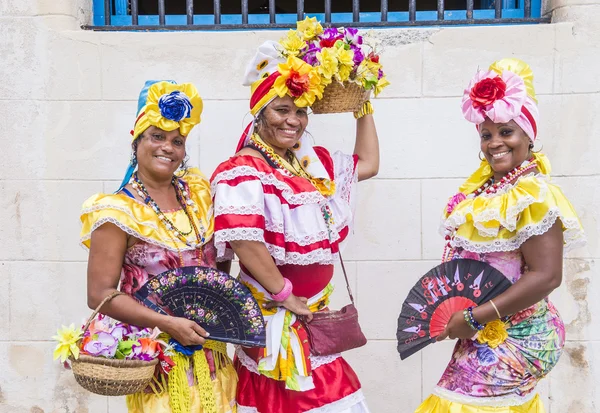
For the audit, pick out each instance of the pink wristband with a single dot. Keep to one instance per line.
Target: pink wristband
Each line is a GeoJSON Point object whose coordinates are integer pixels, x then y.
{"type": "Point", "coordinates": [285, 292]}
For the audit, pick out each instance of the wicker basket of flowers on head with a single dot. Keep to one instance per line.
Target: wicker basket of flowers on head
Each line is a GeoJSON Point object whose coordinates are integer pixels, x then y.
{"type": "Point", "coordinates": [346, 61]}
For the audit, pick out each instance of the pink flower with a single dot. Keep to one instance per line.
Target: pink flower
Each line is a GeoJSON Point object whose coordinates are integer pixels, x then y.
{"type": "Point", "coordinates": [497, 97]}
{"type": "Point", "coordinates": [169, 260]}
{"type": "Point", "coordinates": [522, 315]}
{"type": "Point", "coordinates": [133, 278]}
{"type": "Point", "coordinates": [454, 201]}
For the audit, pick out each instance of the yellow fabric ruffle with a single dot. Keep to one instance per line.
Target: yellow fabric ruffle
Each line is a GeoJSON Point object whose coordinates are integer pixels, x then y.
{"type": "Point", "coordinates": [224, 386]}
{"type": "Point", "coordinates": [503, 221]}
{"type": "Point", "coordinates": [141, 221]}
{"type": "Point", "coordinates": [435, 404]}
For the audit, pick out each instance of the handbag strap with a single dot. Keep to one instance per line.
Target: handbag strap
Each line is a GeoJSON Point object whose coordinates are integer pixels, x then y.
{"type": "Point", "coordinates": [346, 277]}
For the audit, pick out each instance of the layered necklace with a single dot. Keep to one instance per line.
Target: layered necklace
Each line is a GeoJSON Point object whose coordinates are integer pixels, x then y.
{"type": "Point", "coordinates": [291, 165]}
{"type": "Point", "coordinates": [489, 187]}
{"type": "Point", "coordinates": [189, 208]}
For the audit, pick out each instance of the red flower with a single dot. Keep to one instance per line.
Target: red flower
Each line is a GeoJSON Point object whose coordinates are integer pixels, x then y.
{"type": "Point", "coordinates": [373, 57]}
{"type": "Point", "coordinates": [487, 91]}
{"type": "Point", "coordinates": [522, 315]}
{"type": "Point", "coordinates": [297, 83]}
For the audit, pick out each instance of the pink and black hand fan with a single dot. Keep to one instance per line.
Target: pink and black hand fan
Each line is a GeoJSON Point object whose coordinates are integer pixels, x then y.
{"type": "Point", "coordinates": [450, 287]}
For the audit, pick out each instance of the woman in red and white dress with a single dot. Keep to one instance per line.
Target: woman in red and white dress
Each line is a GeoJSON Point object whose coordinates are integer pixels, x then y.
{"type": "Point", "coordinates": [285, 208]}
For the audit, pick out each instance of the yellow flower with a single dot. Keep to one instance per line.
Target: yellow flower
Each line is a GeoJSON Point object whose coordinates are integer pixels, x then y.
{"type": "Point", "coordinates": [381, 84]}
{"type": "Point", "coordinates": [493, 334]}
{"type": "Point", "coordinates": [328, 62]}
{"type": "Point", "coordinates": [67, 338]}
{"type": "Point", "coordinates": [345, 59]}
{"type": "Point", "coordinates": [292, 43]}
{"type": "Point", "coordinates": [299, 80]}
{"type": "Point", "coordinates": [309, 28]}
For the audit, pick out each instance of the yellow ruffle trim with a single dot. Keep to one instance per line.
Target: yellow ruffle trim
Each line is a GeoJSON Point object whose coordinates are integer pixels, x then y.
{"type": "Point", "coordinates": [141, 221]}
{"type": "Point", "coordinates": [435, 404]}
{"type": "Point", "coordinates": [503, 221]}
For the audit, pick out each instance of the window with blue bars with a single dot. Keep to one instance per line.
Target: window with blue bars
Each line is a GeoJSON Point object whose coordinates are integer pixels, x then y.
{"type": "Point", "coordinates": [253, 14]}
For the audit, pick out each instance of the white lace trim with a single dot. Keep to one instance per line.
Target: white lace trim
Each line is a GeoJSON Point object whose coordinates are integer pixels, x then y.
{"type": "Point", "coordinates": [318, 256]}
{"type": "Point", "coordinates": [315, 361]}
{"type": "Point", "coordinates": [254, 209]}
{"type": "Point", "coordinates": [573, 236]}
{"type": "Point", "coordinates": [509, 221]}
{"type": "Point", "coordinates": [353, 403]}
{"type": "Point", "coordinates": [498, 401]}
{"type": "Point", "coordinates": [281, 256]}
{"type": "Point", "coordinates": [302, 198]}
{"type": "Point", "coordinates": [126, 211]}
{"type": "Point", "coordinates": [318, 361]}
{"type": "Point", "coordinates": [133, 233]}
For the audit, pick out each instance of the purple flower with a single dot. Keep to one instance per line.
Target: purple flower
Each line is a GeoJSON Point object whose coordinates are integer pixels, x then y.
{"type": "Point", "coordinates": [119, 331]}
{"type": "Point", "coordinates": [352, 36]}
{"type": "Point", "coordinates": [358, 55]}
{"type": "Point", "coordinates": [105, 345]}
{"type": "Point", "coordinates": [175, 106]}
{"type": "Point", "coordinates": [329, 37]}
{"type": "Point", "coordinates": [311, 54]}
{"type": "Point", "coordinates": [379, 74]}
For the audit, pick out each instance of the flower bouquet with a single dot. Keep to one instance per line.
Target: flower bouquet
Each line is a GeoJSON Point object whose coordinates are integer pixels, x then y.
{"type": "Point", "coordinates": [112, 358]}
{"type": "Point", "coordinates": [346, 62]}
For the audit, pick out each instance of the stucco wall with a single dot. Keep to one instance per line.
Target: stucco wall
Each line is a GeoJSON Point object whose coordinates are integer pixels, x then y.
{"type": "Point", "coordinates": [68, 100]}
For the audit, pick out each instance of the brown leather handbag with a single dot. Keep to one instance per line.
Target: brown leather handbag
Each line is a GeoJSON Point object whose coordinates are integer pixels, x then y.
{"type": "Point", "coordinates": [332, 332]}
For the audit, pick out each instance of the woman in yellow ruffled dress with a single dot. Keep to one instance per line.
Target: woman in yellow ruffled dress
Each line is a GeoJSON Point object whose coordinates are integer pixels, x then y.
{"type": "Point", "coordinates": [160, 219]}
{"type": "Point", "coordinates": [511, 216]}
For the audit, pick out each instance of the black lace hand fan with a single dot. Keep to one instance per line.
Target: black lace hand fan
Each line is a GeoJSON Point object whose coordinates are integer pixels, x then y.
{"type": "Point", "coordinates": [219, 303]}
{"type": "Point", "coordinates": [450, 287]}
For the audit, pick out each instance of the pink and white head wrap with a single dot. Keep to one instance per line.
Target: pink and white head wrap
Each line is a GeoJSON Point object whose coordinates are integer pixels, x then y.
{"type": "Point", "coordinates": [503, 93]}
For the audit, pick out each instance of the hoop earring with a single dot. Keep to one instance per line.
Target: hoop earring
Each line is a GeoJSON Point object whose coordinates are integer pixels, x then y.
{"type": "Point", "coordinates": [532, 147]}
{"type": "Point", "coordinates": [133, 159]}
{"type": "Point", "coordinates": [480, 156]}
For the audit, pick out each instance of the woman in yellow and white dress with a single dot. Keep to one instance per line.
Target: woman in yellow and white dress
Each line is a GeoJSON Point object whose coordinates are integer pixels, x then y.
{"type": "Point", "coordinates": [511, 216]}
{"type": "Point", "coordinates": [160, 219]}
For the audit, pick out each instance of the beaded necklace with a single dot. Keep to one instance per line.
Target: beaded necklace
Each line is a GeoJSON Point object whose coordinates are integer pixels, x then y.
{"type": "Point", "coordinates": [186, 202]}
{"type": "Point", "coordinates": [489, 187]}
{"type": "Point", "coordinates": [291, 166]}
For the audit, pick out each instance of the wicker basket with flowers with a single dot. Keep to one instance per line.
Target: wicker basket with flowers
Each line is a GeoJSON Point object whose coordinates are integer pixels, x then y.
{"type": "Point", "coordinates": [346, 62]}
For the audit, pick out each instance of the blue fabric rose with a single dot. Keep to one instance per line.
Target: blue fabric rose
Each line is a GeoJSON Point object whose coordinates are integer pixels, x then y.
{"type": "Point", "coordinates": [175, 106]}
{"type": "Point", "coordinates": [185, 350]}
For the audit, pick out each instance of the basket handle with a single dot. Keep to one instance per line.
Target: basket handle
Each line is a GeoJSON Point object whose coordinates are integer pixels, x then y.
{"type": "Point", "coordinates": [97, 310]}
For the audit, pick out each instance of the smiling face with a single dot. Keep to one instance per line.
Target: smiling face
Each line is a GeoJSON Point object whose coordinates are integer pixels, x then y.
{"type": "Point", "coordinates": [159, 153]}
{"type": "Point", "coordinates": [504, 145]}
{"type": "Point", "coordinates": [282, 124]}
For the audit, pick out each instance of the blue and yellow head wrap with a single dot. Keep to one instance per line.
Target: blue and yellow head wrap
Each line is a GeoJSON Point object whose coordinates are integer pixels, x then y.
{"type": "Point", "coordinates": [167, 106]}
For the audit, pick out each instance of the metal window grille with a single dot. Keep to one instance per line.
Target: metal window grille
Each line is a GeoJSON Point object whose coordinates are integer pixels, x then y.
{"type": "Point", "coordinates": [129, 14]}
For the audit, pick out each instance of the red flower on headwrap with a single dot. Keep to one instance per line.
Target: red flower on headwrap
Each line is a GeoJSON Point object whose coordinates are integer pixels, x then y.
{"type": "Point", "coordinates": [487, 91]}
{"type": "Point", "coordinates": [297, 83]}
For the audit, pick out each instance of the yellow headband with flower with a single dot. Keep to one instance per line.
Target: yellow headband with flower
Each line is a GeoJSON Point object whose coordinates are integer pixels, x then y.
{"type": "Point", "coordinates": [168, 106]}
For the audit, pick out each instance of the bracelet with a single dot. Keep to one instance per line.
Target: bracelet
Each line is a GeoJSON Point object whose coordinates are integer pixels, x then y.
{"type": "Point", "coordinates": [468, 316]}
{"type": "Point", "coordinates": [285, 292]}
{"type": "Point", "coordinates": [496, 308]}
{"type": "Point", "coordinates": [365, 109]}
